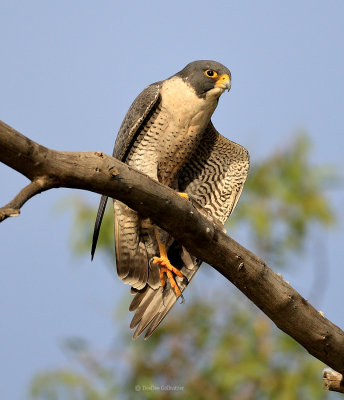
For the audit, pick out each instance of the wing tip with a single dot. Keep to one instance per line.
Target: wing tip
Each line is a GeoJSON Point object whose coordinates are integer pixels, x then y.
{"type": "Point", "coordinates": [97, 224]}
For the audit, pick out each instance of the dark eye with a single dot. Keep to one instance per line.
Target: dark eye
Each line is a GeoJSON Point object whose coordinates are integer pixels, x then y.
{"type": "Point", "coordinates": [210, 73]}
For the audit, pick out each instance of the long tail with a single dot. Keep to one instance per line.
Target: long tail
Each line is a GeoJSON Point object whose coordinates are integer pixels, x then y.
{"type": "Point", "coordinates": [152, 305]}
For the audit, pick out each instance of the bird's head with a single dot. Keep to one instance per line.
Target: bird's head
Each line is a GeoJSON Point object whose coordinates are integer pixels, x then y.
{"type": "Point", "coordinates": [206, 77]}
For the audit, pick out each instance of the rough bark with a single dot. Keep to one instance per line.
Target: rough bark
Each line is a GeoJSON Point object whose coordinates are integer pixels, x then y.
{"type": "Point", "coordinates": [100, 173]}
{"type": "Point", "coordinates": [333, 380]}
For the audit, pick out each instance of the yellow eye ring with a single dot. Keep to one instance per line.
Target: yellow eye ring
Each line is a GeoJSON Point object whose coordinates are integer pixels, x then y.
{"type": "Point", "coordinates": [210, 73]}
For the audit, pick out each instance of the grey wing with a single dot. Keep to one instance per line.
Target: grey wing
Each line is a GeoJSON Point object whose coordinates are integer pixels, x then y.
{"type": "Point", "coordinates": [216, 174]}
{"type": "Point", "coordinates": [214, 177]}
{"type": "Point", "coordinates": [135, 116]}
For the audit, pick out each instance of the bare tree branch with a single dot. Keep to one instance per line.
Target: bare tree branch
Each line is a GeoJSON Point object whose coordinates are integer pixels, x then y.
{"type": "Point", "coordinates": [333, 380]}
{"type": "Point", "coordinates": [100, 173]}
{"type": "Point", "coordinates": [12, 209]}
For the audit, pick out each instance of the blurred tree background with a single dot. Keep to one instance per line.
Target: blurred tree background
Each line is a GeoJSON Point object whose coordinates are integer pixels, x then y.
{"type": "Point", "coordinates": [217, 345]}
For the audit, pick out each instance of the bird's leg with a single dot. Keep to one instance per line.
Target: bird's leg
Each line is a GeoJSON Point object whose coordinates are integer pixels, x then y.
{"type": "Point", "coordinates": [166, 267]}
{"type": "Point", "coordinates": [164, 263]}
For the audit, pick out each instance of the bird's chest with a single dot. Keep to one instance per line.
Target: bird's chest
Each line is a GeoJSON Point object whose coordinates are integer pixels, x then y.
{"type": "Point", "coordinates": [172, 133]}
{"type": "Point", "coordinates": [186, 114]}
{"type": "Point", "coordinates": [186, 117]}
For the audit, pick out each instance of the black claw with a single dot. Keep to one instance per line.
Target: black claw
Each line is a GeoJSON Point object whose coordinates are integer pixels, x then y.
{"type": "Point", "coordinates": [185, 280]}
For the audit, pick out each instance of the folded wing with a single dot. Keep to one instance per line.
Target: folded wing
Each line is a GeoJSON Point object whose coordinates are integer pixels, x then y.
{"type": "Point", "coordinates": [134, 119]}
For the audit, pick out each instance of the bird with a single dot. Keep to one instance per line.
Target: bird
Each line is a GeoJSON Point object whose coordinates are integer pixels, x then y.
{"type": "Point", "coordinates": [168, 134]}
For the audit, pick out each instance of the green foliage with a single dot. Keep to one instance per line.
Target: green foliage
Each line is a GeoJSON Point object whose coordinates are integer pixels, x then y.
{"type": "Point", "coordinates": [224, 352]}
{"type": "Point", "coordinates": [205, 350]}
{"type": "Point", "coordinates": [92, 380]}
{"type": "Point", "coordinates": [64, 384]}
{"type": "Point", "coordinates": [212, 347]}
{"type": "Point", "coordinates": [283, 199]}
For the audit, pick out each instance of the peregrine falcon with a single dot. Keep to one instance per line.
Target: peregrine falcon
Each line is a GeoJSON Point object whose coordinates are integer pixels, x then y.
{"type": "Point", "coordinates": [168, 135]}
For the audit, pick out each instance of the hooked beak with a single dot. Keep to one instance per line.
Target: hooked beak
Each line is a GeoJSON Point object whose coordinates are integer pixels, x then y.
{"type": "Point", "coordinates": [224, 82]}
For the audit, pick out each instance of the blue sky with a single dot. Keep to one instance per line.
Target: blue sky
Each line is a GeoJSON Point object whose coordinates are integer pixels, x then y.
{"type": "Point", "coordinates": [69, 71]}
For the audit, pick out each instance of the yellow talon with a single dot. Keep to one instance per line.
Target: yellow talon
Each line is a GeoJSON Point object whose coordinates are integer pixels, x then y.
{"type": "Point", "coordinates": [166, 267]}
{"type": "Point", "coordinates": [165, 263]}
{"type": "Point", "coordinates": [184, 195]}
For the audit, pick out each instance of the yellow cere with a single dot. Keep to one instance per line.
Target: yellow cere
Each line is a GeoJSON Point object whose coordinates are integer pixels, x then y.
{"type": "Point", "coordinates": [222, 81]}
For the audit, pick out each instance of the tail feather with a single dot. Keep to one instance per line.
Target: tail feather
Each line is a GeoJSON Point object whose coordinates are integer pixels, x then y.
{"type": "Point", "coordinates": [131, 255]}
{"type": "Point", "coordinates": [152, 305]}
